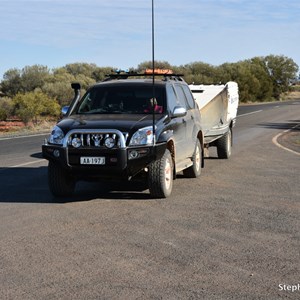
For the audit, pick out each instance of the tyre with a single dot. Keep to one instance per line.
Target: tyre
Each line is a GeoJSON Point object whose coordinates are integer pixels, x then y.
{"type": "Point", "coordinates": [194, 171]}
{"type": "Point", "coordinates": [60, 182]}
{"type": "Point", "coordinates": [160, 176]}
{"type": "Point", "coordinates": [224, 145]}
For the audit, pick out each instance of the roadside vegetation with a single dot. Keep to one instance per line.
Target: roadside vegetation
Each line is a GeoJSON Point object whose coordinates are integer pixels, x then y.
{"type": "Point", "coordinates": [36, 94]}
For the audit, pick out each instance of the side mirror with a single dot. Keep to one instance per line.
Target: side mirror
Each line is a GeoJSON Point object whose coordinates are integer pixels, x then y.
{"type": "Point", "coordinates": [179, 111]}
{"type": "Point", "coordinates": [64, 110]}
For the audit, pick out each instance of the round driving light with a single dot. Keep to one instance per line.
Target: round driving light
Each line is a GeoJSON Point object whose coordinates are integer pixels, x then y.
{"type": "Point", "coordinates": [56, 153]}
{"type": "Point", "coordinates": [109, 142]}
{"type": "Point", "coordinates": [76, 142]}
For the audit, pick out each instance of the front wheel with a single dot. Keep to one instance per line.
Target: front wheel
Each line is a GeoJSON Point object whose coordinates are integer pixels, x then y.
{"type": "Point", "coordinates": [60, 182]}
{"type": "Point", "coordinates": [224, 145]}
{"type": "Point", "coordinates": [160, 176]}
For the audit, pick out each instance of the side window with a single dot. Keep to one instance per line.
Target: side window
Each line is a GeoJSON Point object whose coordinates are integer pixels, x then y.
{"type": "Point", "coordinates": [189, 96]}
{"type": "Point", "coordinates": [172, 98]}
{"type": "Point", "coordinates": [181, 95]}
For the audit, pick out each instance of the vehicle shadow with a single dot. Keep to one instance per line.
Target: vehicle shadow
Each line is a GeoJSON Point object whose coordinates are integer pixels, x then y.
{"type": "Point", "coordinates": [284, 126]}
{"type": "Point", "coordinates": [30, 185]}
{"type": "Point", "coordinates": [37, 155]}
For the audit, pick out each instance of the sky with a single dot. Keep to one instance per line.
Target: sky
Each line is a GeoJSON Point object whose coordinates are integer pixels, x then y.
{"type": "Point", "coordinates": [117, 33]}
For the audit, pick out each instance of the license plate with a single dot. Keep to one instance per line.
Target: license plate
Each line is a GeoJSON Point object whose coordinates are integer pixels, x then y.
{"type": "Point", "coordinates": [92, 160]}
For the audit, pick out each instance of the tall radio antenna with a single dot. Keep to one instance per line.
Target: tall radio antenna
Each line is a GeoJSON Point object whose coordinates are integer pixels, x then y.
{"type": "Point", "coordinates": [153, 76]}
{"type": "Point", "coordinates": [153, 67]}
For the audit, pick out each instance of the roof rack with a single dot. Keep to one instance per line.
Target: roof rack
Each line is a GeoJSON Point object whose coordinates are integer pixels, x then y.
{"type": "Point", "coordinates": [165, 73]}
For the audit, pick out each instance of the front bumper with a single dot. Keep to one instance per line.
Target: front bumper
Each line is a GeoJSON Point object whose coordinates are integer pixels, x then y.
{"type": "Point", "coordinates": [117, 162]}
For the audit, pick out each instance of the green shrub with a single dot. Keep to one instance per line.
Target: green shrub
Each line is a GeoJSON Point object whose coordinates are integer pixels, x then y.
{"type": "Point", "coordinates": [31, 106]}
{"type": "Point", "coordinates": [3, 114]}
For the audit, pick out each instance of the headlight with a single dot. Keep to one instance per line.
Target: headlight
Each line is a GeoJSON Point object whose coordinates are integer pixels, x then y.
{"type": "Point", "coordinates": [57, 136]}
{"type": "Point", "coordinates": [143, 136]}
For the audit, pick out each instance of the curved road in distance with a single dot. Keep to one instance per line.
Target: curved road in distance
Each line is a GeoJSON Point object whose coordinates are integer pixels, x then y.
{"type": "Point", "coordinates": [233, 233]}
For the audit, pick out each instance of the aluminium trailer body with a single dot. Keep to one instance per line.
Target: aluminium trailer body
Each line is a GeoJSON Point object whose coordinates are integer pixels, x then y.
{"type": "Point", "coordinates": [218, 106]}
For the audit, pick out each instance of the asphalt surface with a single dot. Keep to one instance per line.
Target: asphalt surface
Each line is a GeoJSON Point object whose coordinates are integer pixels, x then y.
{"type": "Point", "coordinates": [233, 233]}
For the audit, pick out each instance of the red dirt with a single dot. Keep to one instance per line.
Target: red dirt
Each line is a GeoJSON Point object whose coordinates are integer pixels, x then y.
{"type": "Point", "coordinates": [8, 126]}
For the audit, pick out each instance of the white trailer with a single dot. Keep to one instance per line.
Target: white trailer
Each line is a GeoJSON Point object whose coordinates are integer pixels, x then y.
{"type": "Point", "coordinates": [218, 106]}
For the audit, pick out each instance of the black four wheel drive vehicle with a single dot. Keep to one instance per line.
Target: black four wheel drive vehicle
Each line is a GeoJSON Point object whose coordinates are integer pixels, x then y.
{"type": "Point", "coordinates": [127, 128]}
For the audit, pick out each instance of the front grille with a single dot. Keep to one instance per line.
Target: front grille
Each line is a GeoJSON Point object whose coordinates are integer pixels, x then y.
{"type": "Point", "coordinates": [95, 139]}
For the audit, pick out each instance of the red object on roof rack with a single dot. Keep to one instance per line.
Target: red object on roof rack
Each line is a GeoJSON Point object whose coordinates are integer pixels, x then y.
{"type": "Point", "coordinates": [158, 71]}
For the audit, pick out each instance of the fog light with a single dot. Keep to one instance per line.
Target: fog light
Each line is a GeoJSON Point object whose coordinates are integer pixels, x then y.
{"type": "Point", "coordinates": [133, 154]}
{"type": "Point", "coordinates": [56, 153]}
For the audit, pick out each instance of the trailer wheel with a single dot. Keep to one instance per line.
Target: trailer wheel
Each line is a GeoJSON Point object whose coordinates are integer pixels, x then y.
{"type": "Point", "coordinates": [160, 176]}
{"type": "Point", "coordinates": [194, 171]}
{"type": "Point", "coordinates": [60, 182]}
{"type": "Point", "coordinates": [224, 145]}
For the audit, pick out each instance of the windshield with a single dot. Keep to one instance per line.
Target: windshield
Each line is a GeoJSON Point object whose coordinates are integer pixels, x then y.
{"type": "Point", "coordinates": [122, 99]}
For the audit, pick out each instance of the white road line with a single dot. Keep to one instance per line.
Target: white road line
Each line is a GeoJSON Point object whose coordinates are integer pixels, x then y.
{"type": "Point", "coordinates": [22, 136]}
{"type": "Point", "coordinates": [26, 164]}
{"type": "Point", "coordinates": [275, 138]}
{"type": "Point", "coordinates": [3, 169]}
{"type": "Point", "coordinates": [250, 113]}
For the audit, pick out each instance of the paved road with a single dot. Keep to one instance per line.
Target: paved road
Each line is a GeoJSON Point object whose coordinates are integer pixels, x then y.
{"type": "Point", "coordinates": [231, 234]}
